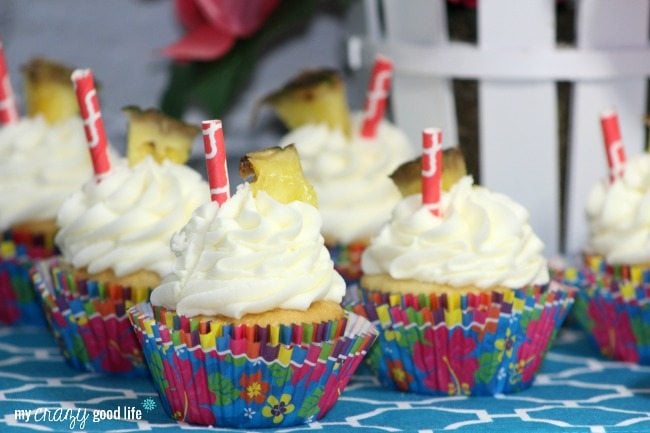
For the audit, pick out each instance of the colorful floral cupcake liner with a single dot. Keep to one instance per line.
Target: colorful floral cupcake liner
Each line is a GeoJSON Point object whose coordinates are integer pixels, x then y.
{"type": "Point", "coordinates": [600, 268]}
{"type": "Point", "coordinates": [211, 373]}
{"type": "Point", "coordinates": [89, 319]}
{"type": "Point", "coordinates": [19, 304]}
{"type": "Point", "coordinates": [481, 343]}
{"type": "Point", "coordinates": [35, 245]}
{"type": "Point", "coordinates": [614, 309]}
{"type": "Point", "coordinates": [347, 262]}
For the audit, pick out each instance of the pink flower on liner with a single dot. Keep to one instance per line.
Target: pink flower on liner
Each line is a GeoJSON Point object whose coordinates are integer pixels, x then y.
{"type": "Point", "coordinates": [213, 26]}
{"type": "Point", "coordinates": [531, 352]}
{"type": "Point", "coordinates": [127, 341]}
{"type": "Point", "coordinates": [448, 361]}
{"type": "Point", "coordinates": [613, 331]}
{"type": "Point", "coordinates": [424, 358]}
{"type": "Point", "coordinates": [114, 360]}
{"type": "Point", "coordinates": [460, 363]}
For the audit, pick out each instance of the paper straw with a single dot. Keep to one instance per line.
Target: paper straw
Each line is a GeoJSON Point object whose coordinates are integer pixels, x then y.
{"type": "Point", "coordinates": [377, 96]}
{"type": "Point", "coordinates": [8, 110]}
{"type": "Point", "coordinates": [215, 160]}
{"type": "Point", "coordinates": [84, 85]}
{"type": "Point", "coordinates": [432, 169]}
{"type": "Point", "coordinates": [614, 149]}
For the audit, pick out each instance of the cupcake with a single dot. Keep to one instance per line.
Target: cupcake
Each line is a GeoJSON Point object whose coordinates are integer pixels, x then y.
{"type": "Point", "coordinates": [43, 159]}
{"type": "Point", "coordinates": [348, 170]}
{"type": "Point", "coordinates": [461, 298]}
{"type": "Point", "coordinates": [247, 331]}
{"type": "Point", "coordinates": [612, 305]}
{"type": "Point", "coordinates": [619, 228]}
{"type": "Point", "coordinates": [114, 236]}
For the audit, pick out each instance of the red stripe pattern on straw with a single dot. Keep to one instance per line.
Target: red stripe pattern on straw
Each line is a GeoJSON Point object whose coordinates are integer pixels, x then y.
{"type": "Point", "coordinates": [8, 110]}
{"type": "Point", "coordinates": [377, 96]}
{"type": "Point", "coordinates": [215, 160]}
{"type": "Point", "coordinates": [84, 85]}
{"type": "Point", "coordinates": [432, 169]}
{"type": "Point", "coordinates": [614, 149]}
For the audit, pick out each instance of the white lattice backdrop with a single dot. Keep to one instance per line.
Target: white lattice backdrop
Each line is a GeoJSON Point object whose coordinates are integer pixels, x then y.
{"type": "Point", "coordinates": [518, 63]}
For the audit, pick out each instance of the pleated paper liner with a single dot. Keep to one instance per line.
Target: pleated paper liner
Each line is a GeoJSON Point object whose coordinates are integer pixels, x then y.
{"type": "Point", "coordinates": [89, 319]}
{"type": "Point", "coordinates": [613, 307]}
{"type": "Point", "coordinates": [36, 245]}
{"type": "Point", "coordinates": [212, 373]}
{"type": "Point", "coordinates": [481, 343]}
{"type": "Point", "coordinates": [599, 266]}
{"type": "Point", "coordinates": [18, 302]}
{"type": "Point", "coordinates": [347, 262]}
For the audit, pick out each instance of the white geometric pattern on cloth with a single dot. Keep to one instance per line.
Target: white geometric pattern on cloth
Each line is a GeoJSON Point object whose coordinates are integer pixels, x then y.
{"type": "Point", "coordinates": [573, 394]}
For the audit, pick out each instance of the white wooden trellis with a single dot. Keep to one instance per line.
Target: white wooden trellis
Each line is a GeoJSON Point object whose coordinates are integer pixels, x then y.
{"type": "Point", "coordinates": [517, 64]}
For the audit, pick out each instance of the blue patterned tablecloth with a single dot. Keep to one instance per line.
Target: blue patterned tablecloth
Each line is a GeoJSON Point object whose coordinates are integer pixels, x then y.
{"type": "Point", "coordinates": [578, 391]}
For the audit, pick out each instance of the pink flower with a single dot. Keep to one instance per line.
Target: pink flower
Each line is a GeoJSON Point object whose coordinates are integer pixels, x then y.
{"type": "Point", "coordinates": [213, 26]}
{"type": "Point", "coordinates": [612, 330]}
{"type": "Point", "coordinates": [531, 352]}
{"type": "Point", "coordinates": [447, 360]}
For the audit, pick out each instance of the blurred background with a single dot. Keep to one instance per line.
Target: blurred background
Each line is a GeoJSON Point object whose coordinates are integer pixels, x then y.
{"type": "Point", "coordinates": [122, 40]}
{"type": "Point", "coordinates": [532, 134]}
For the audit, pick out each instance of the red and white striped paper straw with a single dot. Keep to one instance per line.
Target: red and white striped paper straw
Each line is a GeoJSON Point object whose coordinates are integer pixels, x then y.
{"type": "Point", "coordinates": [614, 149]}
{"type": "Point", "coordinates": [377, 96]}
{"type": "Point", "coordinates": [432, 169]}
{"type": "Point", "coordinates": [215, 160]}
{"type": "Point", "coordinates": [8, 110]}
{"type": "Point", "coordinates": [84, 85]}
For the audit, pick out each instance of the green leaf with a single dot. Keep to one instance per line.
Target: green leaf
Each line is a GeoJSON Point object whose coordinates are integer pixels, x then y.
{"type": "Point", "coordinates": [489, 364]}
{"type": "Point", "coordinates": [581, 313]}
{"type": "Point", "coordinates": [79, 349]}
{"type": "Point", "coordinates": [310, 405]}
{"type": "Point", "coordinates": [239, 361]}
{"type": "Point", "coordinates": [280, 374]}
{"type": "Point", "coordinates": [176, 97]}
{"type": "Point", "coordinates": [218, 82]}
{"type": "Point", "coordinates": [157, 369]}
{"type": "Point", "coordinates": [225, 392]}
{"type": "Point", "coordinates": [289, 14]}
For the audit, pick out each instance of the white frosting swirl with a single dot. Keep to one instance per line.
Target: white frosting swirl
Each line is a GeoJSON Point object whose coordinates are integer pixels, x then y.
{"type": "Point", "coordinates": [41, 165]}
{"type": "Point", "coordinates": [619, 215]}
{"type": "Point", "coordinates": [252, 255]}
{"type": "Point", "coordinates": [483, 240]}
{"type": "Point", "coordinates": [125, 222]}
{"type": "Point", "coordinates": [350, 175]}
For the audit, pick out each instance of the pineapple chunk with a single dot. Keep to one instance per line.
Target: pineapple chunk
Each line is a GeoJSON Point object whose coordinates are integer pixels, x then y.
{"type": "Point", "coordinates": [314, 96]}
{"type": "Point", "coordinates": [278, 172]}
{"type": "Point", "coordinates": [153, 133]}
{"type": "Point", "coordinates": [408, 176]}
{"type": "Point", "coordinates": [49, 91]}
{"type": "Point", "coordinates": [453, 167]}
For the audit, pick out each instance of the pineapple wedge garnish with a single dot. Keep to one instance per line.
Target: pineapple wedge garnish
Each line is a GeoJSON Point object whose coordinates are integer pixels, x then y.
{"type": "Point", "coordinates": [314, 96]}
{"type": "Point", "coordinates": [277, 171]}
{"type": "Point", "coordinates": [408, 176]}
{"type": "Point", "coordinates": [48, 90]}
{"type": "Point", "coordinates": [151, 132]}
{"type": "Point", "coordinates": [453, 167]}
